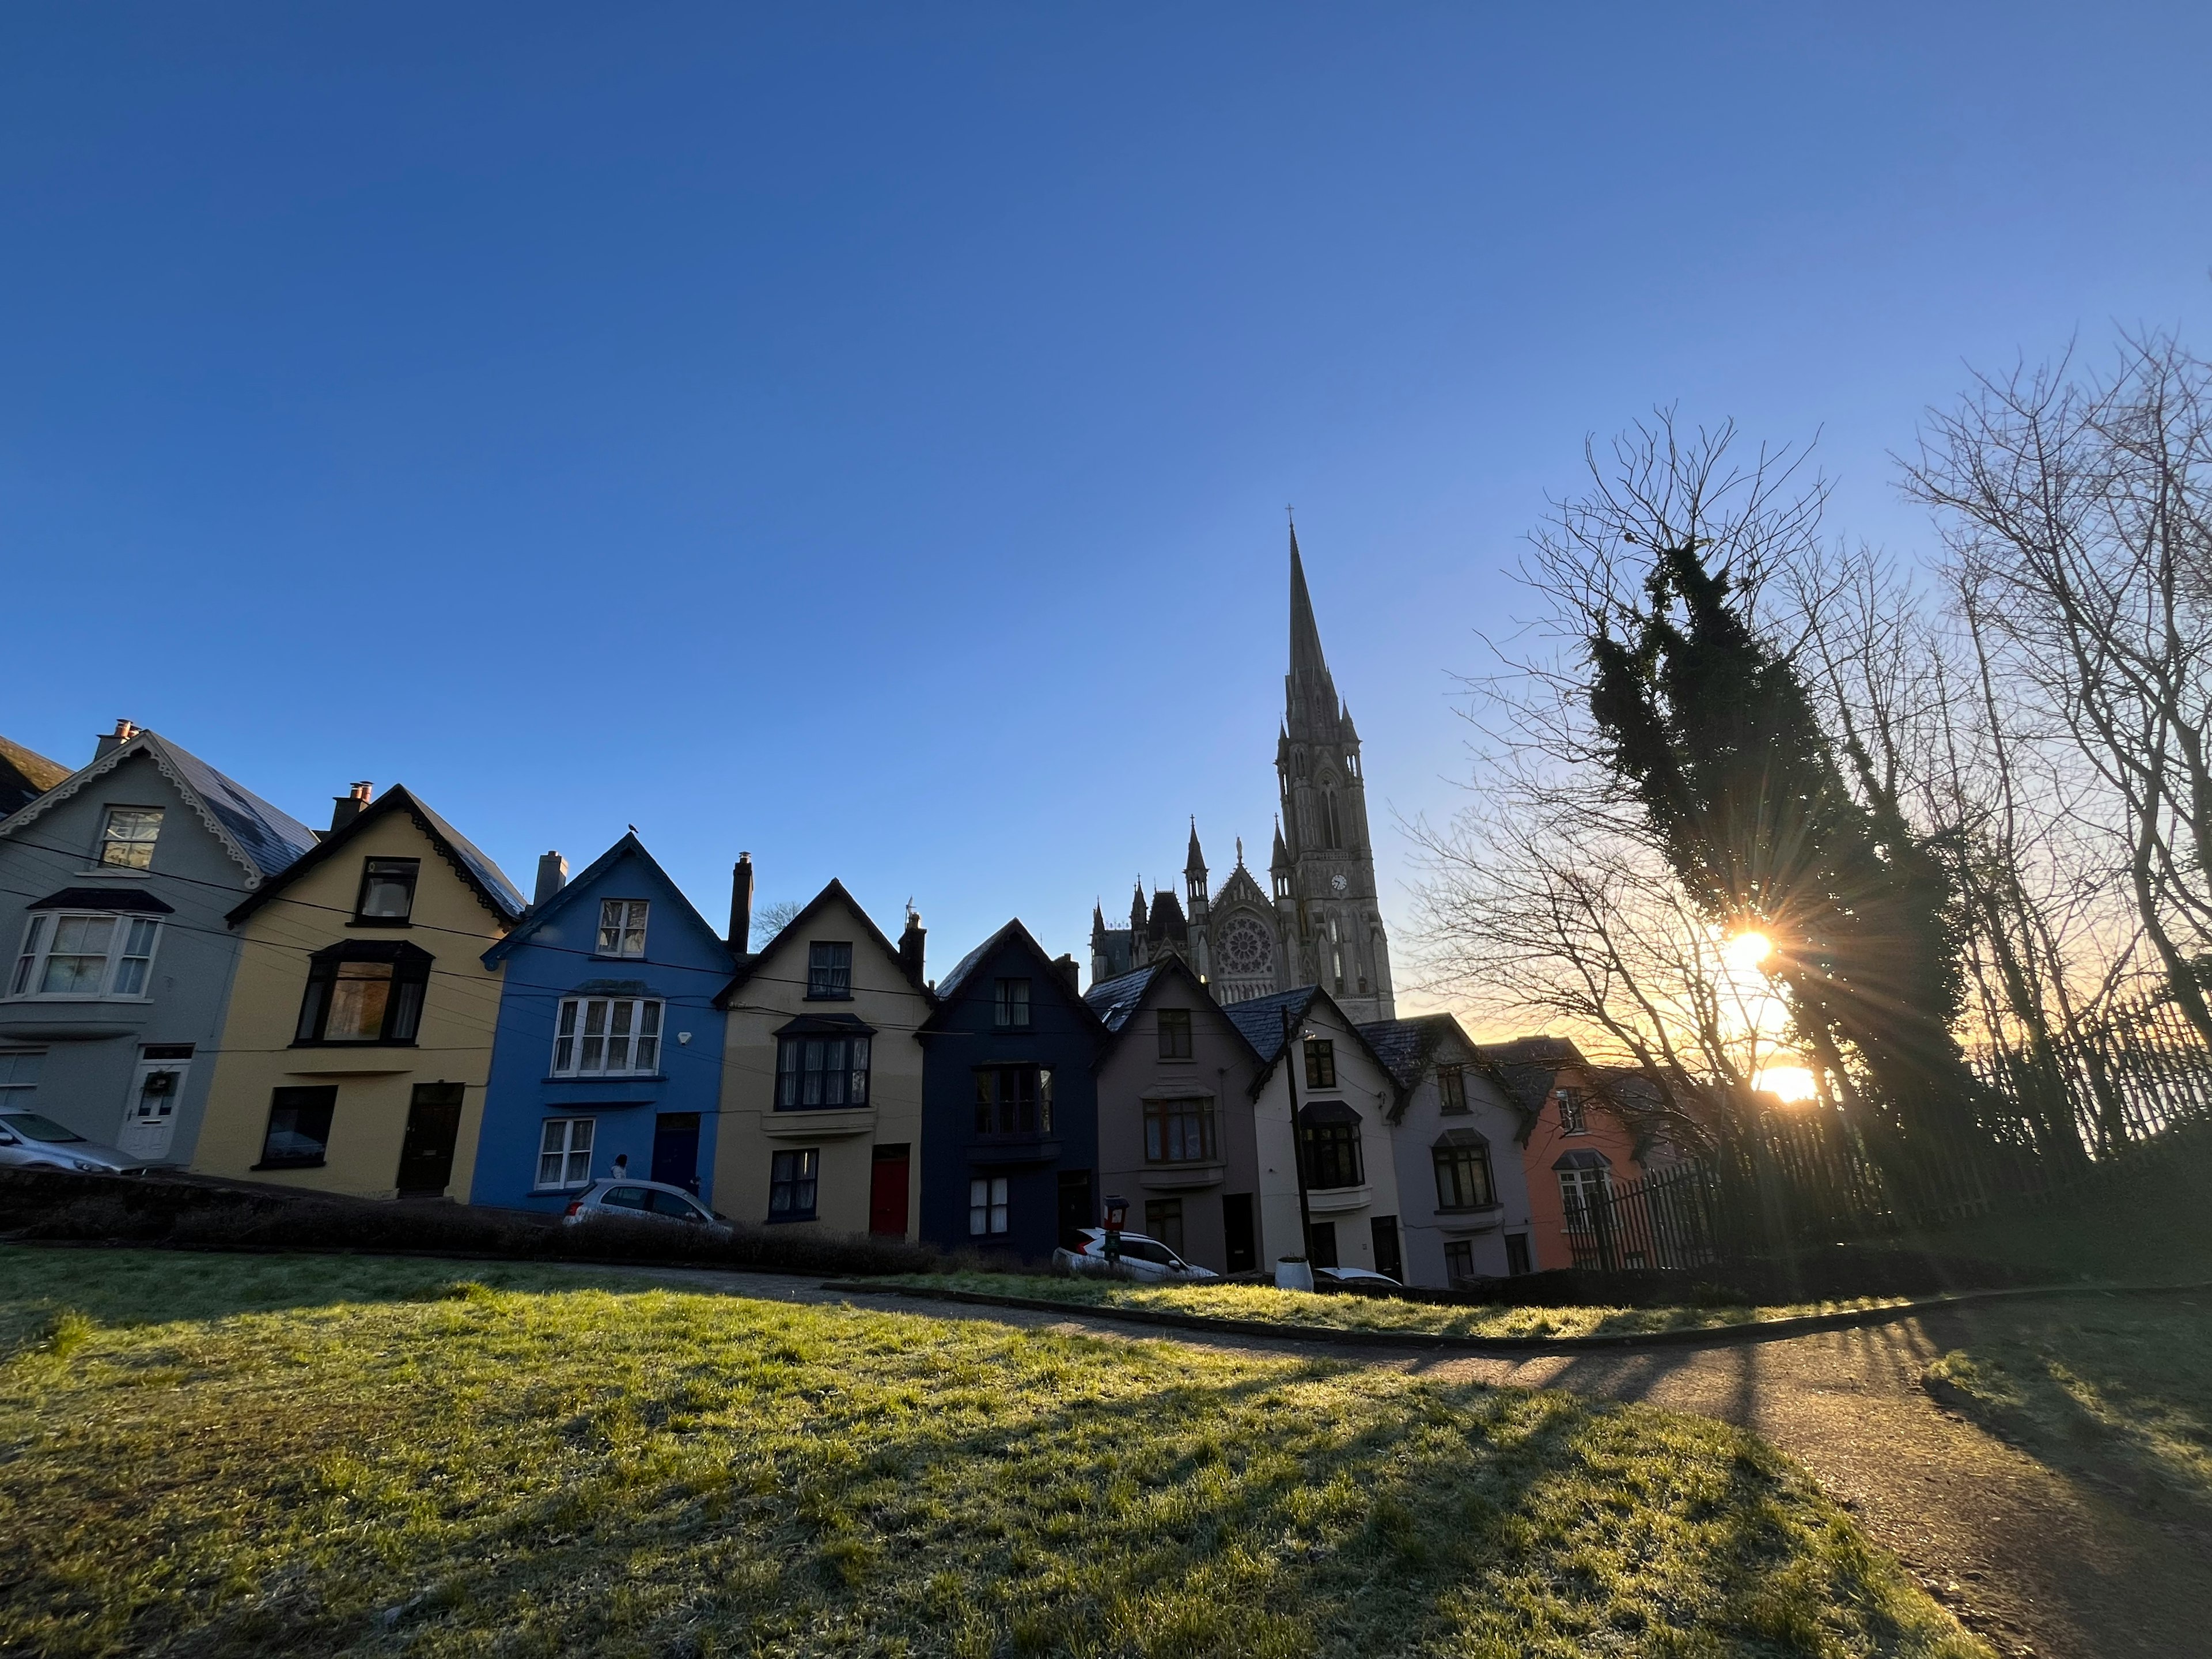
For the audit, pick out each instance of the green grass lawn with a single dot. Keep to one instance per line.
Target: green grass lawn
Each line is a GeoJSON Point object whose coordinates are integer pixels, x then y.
{"type": "Point", "coordinates": [2121, 1390]}
{"type": "Point", "coordinates": [1359, 1312]}
{"type": "Point", "coordinates": [205, 1455]}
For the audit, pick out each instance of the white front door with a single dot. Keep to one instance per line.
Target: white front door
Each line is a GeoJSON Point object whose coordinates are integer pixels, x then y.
{"type": "Point", "coordinates": [149, 1117]}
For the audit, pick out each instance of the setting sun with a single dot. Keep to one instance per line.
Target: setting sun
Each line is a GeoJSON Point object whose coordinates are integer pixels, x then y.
{"type": "Point", "coordinates": [1748, 949]}
{"type": "Point", "coordinates": [1791, 1083]}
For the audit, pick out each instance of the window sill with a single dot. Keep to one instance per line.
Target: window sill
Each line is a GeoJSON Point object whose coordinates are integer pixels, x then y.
{"type": "Point", "coordinates": [348, 1042]}
{"type": "Point", "coordinates": [318, 1163]}
{"type": "Point", "coordinates": [108, 871]}
{"type": "Point", "coordinates": [65, 1000]}
{"type": "Point", "coordinates": [818, 1123]}
{"type": "Point", "coordinates": [380, 921]}
{"type": "Point", "coordinates": [597, 955]}
{"type": "Point", "coordinates": [606, 1077]}
{"type": "Point", "coordinates": [1469, 1209]}
{"type": "Point", "coordinates": [827, 996]}
{"type": "Point", "coordinates": [785, 1221]}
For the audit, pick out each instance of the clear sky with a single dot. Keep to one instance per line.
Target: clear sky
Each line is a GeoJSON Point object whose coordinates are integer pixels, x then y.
{"type": "Point", "coordinates": [859, 435]}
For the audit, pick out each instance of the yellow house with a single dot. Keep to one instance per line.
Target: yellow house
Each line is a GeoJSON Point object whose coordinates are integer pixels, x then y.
{"type": "Point", "coordinates": [821, 1111]}
{"type": "Point", "coordinates": [359, 1034]}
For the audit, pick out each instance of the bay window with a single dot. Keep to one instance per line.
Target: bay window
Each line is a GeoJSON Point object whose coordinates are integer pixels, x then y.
{"type": "Point", "coordinates": [1461, 1160]}
{"type": "Point", "coordinates": [363, 991]}
{"type": "Point", "coordinates": [1013, 1100]}
{"type": "Point", "coordinates": [607, 1037]}
{"type": "Point", "coordinates": [76, 954]}
{"type": "Point", "coordinates": [1328, 1134]}
{"type": "Point", "coordinates": [1179, 1132]}
{"type": "Point", "coordinates": [818, 1064]}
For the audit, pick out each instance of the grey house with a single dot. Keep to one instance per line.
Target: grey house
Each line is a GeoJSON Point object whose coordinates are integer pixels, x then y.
{"type": "Point", "coordinates": [1456, 1134]}
{"type": "Point", "coordinates": [1178, 1136]}
{"type": "Point", "coordinates": [114, 886]}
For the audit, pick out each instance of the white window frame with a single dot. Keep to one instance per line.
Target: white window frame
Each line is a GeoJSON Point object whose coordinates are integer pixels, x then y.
{"type": "Point", "coordinates": [1582, 1191]}
{"type": "Point", "coordinates": [575, 1136]}
{"type": "Point", "coordinates": [622, 927]}
{"type": "Point", "coordinates": [986, 1206]}
{"type": "Point", "coordinates": [640, 1019]}
{"type": "Point", "coordinates": [19, 1078]}
{"type": "Point", "coordinates": [108, 841]}
{"type": "Point", "coordinates": [117, 982]}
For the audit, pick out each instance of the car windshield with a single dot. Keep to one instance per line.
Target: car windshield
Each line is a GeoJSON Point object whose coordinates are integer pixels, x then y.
{"type": "Point", "coordinates": [32, 1127]}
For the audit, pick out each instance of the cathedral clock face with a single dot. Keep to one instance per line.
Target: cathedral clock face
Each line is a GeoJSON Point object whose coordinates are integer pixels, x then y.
{"type": "Point", "coordinates": [1246, 948]}
{"type": "Point", "coordinates": [1338, 883]}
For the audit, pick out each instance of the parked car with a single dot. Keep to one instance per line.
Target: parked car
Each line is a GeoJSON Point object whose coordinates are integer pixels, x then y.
{"type": "Point", "coordinates": [1366, 1276]}
{"type": "Point", "coordinates": [645, 1201]}
{"type": "Point", "coordinates": [1141, 1258]}
{"type": "Point", "coordinates": [30, 1141]}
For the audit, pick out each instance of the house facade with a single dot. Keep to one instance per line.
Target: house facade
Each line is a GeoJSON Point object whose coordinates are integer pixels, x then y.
{"type": "Point", "coordinates": [357, 1043]}
{"type": "Point", "coordinates": [1576, 1146]}
{"type": "Point", "coordinates": [1177, 1127]}
{"type": "Point", "coordinates": [1456, 1138]}
{"type": "Point", "coordinates": [608, 1053]}
{"type": "Point", "coordinates": [1314, 1062]}
{"type": "Point", "coordinates": [115, 889]}
{"type": "Point", "coordinates": [823, 1076]}
{"type": "Point", "coordinates": [1010, 1111]}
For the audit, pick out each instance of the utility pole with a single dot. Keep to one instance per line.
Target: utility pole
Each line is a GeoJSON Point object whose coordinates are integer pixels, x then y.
{"type": "Point", "coordinates": [1298, 1143]}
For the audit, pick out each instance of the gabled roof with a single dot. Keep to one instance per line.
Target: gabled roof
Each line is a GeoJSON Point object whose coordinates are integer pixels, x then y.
{"type": "Point", "coordinates": [1166, 922]}
{"type": "Point", "coordinates": [1259, 1021]}
{"type": "Point", "coordinates": [1527, 1066]}
{"type": "Point", "coordinates": [833, 893]}
{"type": "Point", "coordinates": [1116, 1002]}
{"type": "Point", "coordinates": [1242, 888]}
{"type": "Point", "coordinates": [537, 914]}
{"type": "Point", "coordinates": [1406, 1046]}
{"type": "Point", "coordinates": [263, 840]}
{"type": "Point", "coordinates": [953, 983]}
{"type": "Point", "coordinates": [25, 774]}
{"type": "Point", "coordinates": [484, 878]}
{"type": "Point", "coordinates": [1115, 999]}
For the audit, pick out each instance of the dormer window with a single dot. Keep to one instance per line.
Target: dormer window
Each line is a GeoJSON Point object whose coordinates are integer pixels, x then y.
{"type": "Point", "coordinates": [127, 834]}
{"type": "Point", "coordinates": [387, 890]}
{"type": "Point", "coordinates": [622, 927]}
{"type": "Point", "coordinates": [830, 971]}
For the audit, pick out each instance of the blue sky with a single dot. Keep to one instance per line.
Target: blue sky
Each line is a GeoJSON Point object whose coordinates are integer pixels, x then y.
{"type": "Point", "coordinates": [861, 434]}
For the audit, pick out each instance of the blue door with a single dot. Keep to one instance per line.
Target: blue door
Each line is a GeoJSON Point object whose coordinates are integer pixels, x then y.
{"type": "Point", "coordinates": [676, 1150]}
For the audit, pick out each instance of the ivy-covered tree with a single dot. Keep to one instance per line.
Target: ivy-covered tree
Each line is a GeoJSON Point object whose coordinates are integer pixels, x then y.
{"type": "Point", "coordinates": [1711, 731]}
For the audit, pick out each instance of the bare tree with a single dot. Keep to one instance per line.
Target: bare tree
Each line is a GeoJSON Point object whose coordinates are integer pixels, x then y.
{"type": "Point", "coordinates": [2076, 511]}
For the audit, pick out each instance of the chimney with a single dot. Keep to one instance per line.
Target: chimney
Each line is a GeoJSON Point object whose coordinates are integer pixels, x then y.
{"type": "Point", "coordinates": [910, 943]}
{"type": "Point", "coordinates": [1065, 968]}
{"type": "Point", "coordinates": [552, 877]}
{"type": "Point", "coordinates": [741, 904]}
{"type": "Point", "coordinates": [345, 809]}
{"type": "Point", "coordinates": [108, 742]}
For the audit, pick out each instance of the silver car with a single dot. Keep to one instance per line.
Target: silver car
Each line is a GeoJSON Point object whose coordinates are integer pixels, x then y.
{"type": "Point", "coordinates": [1141, 1257]}
{"type": "Point", "coordinates": [624, 1200]}
{"type": "Point", "coordinates": [29, 1140]}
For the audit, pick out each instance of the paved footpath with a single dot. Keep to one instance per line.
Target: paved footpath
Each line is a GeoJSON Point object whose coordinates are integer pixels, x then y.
{"type": "Point", "coordinates": [2032, 1560]}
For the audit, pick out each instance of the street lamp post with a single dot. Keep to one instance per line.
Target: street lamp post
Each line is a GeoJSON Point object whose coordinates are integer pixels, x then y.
{"type": "Point", "coordinates": [1297, 1146]}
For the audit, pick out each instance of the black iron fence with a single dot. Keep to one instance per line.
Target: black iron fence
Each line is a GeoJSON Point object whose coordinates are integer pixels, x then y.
{"type": "Point", "coordinates": [2130, 1100]}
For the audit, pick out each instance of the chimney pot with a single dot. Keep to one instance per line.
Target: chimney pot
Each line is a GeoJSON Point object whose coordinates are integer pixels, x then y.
{"type": "Point", "coordinates": [345, 808]}
{"type": "Point", "coordinates": [108, 742]}
{"type": "Point", "coordinates": [552, 877]}
{"type": "Point", "coordinates": [741, 905]}
{"type": "Point", "coordinates": [910, 945]}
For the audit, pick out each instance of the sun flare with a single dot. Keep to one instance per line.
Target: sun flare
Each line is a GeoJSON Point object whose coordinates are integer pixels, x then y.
{"type": "Point", "coordinates": [1791, 1083]}
{"type": "Point", "coordinates": [1746, 950]}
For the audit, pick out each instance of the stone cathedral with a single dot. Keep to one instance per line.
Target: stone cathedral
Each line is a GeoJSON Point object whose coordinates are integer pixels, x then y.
{"type": "Point", "coordinates": [1317, 921]}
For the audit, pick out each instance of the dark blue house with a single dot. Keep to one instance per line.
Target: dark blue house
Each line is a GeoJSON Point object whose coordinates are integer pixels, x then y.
{"type": "Point", "coordinates": [1009, 1102]}
{"type": "Point", "coordinates": [609, 1048]}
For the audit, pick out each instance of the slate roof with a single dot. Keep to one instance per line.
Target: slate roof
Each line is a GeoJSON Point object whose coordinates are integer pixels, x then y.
{"type": "Point", "coordinates": [499, 895]}
{"type": "Point", "coordinates": [1114, 944]}
{"type": "Point", "coordinates": [630, 845]}
{"type": "Point", "coordinates": [1261, 1018]}
{"type": "Point", "coordinates": [1404, 1045]}
{"type": "Point", "coordinates": [262, 837]}
{"type": "Point", "coordinates": [1167, 921]}
{"type": "Point", "coordinates": [1528, 1064]}
{"type": "Point", "coordinates": [1115, 999]}
{"type": "Point", "coordinates": [25, 774]}
{"type": "Point", "coordinates": [948, 989]}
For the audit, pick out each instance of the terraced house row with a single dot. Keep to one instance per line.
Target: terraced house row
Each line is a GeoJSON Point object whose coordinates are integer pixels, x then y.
{"type": "Point", "coordinates": [374, 1007]}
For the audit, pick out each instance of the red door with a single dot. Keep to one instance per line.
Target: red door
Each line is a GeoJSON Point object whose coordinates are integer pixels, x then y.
{"type": "Point", "coordinates": [887, 1191]}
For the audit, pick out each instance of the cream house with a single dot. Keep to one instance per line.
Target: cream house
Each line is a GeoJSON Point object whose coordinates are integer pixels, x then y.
{"type": "Point", "coordinates": [359, 1035]}
{"type": "Point", "coordinates": [821, 1107]}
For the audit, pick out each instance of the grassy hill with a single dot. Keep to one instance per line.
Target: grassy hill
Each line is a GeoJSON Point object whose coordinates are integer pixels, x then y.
{"type": "Point", "coordinates": [207, 1455]}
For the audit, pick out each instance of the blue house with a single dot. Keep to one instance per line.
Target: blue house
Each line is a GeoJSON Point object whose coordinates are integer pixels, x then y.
{"type": "Point", "coordinates": [1009, 1102]}
{"type": "Point", "coordinates": [608, 1050]}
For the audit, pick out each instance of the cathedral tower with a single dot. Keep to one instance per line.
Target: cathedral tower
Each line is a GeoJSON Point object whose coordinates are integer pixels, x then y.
{"type": "Point", "coordinates": [1324, 867]}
